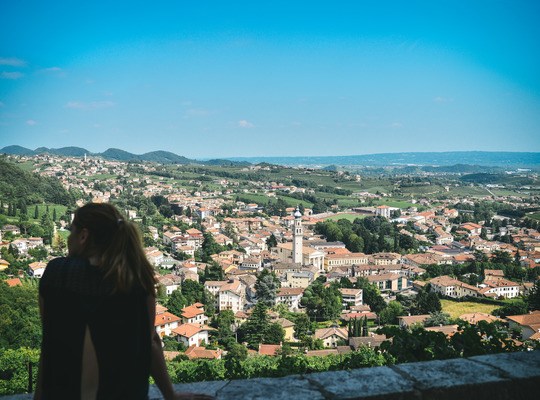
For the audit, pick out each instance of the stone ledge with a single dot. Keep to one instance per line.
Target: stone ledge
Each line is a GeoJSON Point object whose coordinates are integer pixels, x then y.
{"type": "Point", "coordinates": [491, 377]}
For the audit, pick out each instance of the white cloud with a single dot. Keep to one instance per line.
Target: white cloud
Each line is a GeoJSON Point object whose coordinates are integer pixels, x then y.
{"type": "Point", "coordinates": [440, 99]}
{"type": "Point", "coordinates": [396, 125]}
{"type": "Point", "coordinates": [52, 69]}
{"type": "Point", "coordinates": [80, 105]}
{"type": "Point", "coordinates": [245, 124]}
{"type": "Point", "coordinates": [31, 122]}
{"type": "Point", "coordinates": [197, 112]}
{"type": "Point", "coordinates": [12, 62]}
{"type": "Point", "coordinates": [12, 75]}
{"type": "Point", "coordinates": [2, 104]}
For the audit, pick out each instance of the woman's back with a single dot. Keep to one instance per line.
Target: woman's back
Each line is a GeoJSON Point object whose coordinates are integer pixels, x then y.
{"type": "Point", "coordinates": [76, 297]}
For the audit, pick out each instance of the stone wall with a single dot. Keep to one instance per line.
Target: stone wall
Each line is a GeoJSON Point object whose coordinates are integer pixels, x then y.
{"type": "Point", "coordinates": [491, 377]}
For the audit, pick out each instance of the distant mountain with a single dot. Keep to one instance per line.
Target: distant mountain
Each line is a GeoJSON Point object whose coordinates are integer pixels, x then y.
{"type": "Point", "coordinates": [118, 155]}
{"type": "Point", "coordinates": [226, 163]}
{"type": "Point", "coordinates": [17, 150]}
{"type": "Point", "coordinates": [63, 151]}
{"type": "Point", "coordinates": [165, 157]}
{"type": "Point", "coordinates": [485, 158]}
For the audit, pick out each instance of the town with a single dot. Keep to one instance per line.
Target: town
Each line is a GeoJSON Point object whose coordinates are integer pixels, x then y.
{"type": "Point", "coordinates": [263, 262]}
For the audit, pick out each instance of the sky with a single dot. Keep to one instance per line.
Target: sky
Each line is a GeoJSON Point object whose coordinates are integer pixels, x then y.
{"type": "Point", "coordinates": [216, 79]}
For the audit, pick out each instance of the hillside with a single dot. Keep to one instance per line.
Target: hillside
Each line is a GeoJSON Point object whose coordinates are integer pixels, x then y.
{"type": "Point", "coordinates": [16, 184]}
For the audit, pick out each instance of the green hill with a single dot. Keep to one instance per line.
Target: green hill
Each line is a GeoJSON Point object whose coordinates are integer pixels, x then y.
{"type": "Point", "coordinates": [16, 184]}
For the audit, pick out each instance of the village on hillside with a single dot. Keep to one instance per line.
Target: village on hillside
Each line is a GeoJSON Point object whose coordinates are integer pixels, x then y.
{"type": "Point", "coordinates": [279, 277]}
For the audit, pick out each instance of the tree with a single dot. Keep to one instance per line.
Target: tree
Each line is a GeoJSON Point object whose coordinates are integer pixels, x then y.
{"type": "Point", "coordinates": [515, 307]}
{"type": "Point", "coordinates": [176, 302]}
{"type": "Point", "coordinates": [302, 325]}
{"type": "Point", "coordinates": [271, 241]}
{"type": "Point", "coordinates": [371, 295]}
{"type": "Point", "coordinates": [534, 297]}
{"type": "Point", "coordinates": [14, 369]}
{"type": "Point", "coordinates": [390, 313]}
{"type": "Point", "coordinates": [322, 304]}
{"type": "Point", "coordinates": [258, 328]}
{"type": "Point", "coordinates": [192, 291]}
{"type": "Point", "coordinates": [501, 257]}
{"type": "Point", "coordinates": [427, 302]}
{"type": "Point", "coordinates": [267, 285]}
{"type": "Point", "coordinates": [36, 212]}
{"type": "Point", "coordinates": [225, 325]}
{"type": "Point", "coordinates": [437, 318]}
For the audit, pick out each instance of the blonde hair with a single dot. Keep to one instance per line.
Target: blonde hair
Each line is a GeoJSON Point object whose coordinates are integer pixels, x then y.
{"type": "Point", "coordinates": [118, 245]}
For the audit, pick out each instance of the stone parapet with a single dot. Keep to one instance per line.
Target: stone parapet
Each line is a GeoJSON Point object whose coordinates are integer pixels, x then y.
{"type": "Point", "coordinates": [490, 377]}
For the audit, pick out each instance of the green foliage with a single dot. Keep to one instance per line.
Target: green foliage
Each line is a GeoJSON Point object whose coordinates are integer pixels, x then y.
{"type": "Point", "coordinates": [17, 185]}
{"type": "Point", "coordinates": [534, 297]}
{"type": "Point", "coordinates": [176, 302]}
{"type": "Point", "coordinates": [322, 303]}
{"type": "Point", "coordinates": [371, 294]}
{"type": "Point", "coordinates": [437, 318]}
{"type": "Point", "coordinates": [419, 344]}
{"type": "Point", "coordinates": [267, 285]}
{"type": "Point", "coordinates": [14, 369]}
{"type": "Point", "coordinates": [225, 334]}
{"type": "Point", "coordinates": [235, 366]}
{"type": "Point", "coordinates": [513, 307]}
{"type": "Point", "coordinates": [258, 329]}
{"type": "Point", "coordinates": [20, 324]}
{"type": "Point", "coordinates": [391, 312]}
{"type": "Point", "coordinates": [427, 302]}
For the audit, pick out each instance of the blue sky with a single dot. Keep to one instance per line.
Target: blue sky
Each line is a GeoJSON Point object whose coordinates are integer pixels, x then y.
{"type": "Point", "coordinates": [253, 78]}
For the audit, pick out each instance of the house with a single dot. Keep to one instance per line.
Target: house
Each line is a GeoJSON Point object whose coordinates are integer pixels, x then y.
{"type": "Point", "coordinates": [331, 336]}
{"type": "Point", "coordinates": [269, 349]}
{"type": "Point", "coordinates": [500, 287]}
{"type": "Point", "coordinates": [288, 327]}
{"type": "Point", "coordinates": [386, 258]}
{"type": "Point", "coordinates": [230, 295]}
{"type": "Point", "coordinates": [334, 260]}
{"type": "Point", "coordinates": [290, 297]}
{"type": "Point", "coordinates": [165, 321]}
{"type": "Point", "coordinates": [13, 282]}
{"type": "Point", "coordinates": [351, 297]}
{"type": "Point", "coordinates": [196, 352]}
{"type": "Point", "coordinates": [21, 245]}
{"type": "Point", "coordinates": [36, 269]}
{"type": "Point", "coordinates": [373, 340]}
{"type": "Point", "coordinates": [194, 314]}
{"type": "Point", "coordinates": [474, 318]}
{"type": "Point", "coordinates": [3, 264]}
{"type": "Point", "coordinates": [34, 242]}
{"type": "Point", "coordinates": [191, 334]}
{"type": "Point", "coordinates": [154, 256]}
{"type": "Point", "coordinates": [310, 256]}
{"type": "Point", "coordinates": [383, 211]}
{"type": "Point", "coordinates": [451, 287]}
{"type": "Point", "coordinates": [170, 282]}
{"type": "Point", "coordinates": [527, 324]}
{"type": "Point", "coordinates": [407, 321]}
{"type": "Point", "coordinates": [299, 279]}
{"type": "Point", "coordinates": [389, 282]}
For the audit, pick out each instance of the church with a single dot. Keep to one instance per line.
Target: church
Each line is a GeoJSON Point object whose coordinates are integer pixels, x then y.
{"type": "Point", "coordinates": [296, 252]}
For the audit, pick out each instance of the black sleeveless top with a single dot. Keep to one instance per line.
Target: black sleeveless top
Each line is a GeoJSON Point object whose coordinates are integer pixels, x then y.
{"type": "Point", "coordinates": [75, 296]}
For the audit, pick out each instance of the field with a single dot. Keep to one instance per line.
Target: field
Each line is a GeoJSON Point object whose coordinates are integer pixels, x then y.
{"type": "Point", "coordinates": [535, 215]}
{"type": "Point", "coordinates": [455, 308]}
{"type": "Point", "coordinates": [349, 216]}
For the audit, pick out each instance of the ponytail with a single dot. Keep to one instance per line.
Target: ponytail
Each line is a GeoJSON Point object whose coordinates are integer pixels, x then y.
{"type": "Point", "coordinates": [118, 245]}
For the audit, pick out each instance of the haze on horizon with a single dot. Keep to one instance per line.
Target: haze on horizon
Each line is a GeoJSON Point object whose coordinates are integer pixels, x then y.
{"type": "Point", "coordinates": [215, 80]}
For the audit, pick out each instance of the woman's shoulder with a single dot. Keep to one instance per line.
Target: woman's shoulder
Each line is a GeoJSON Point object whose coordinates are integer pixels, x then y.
{"type": "Point", "coordinates": [62, 269]}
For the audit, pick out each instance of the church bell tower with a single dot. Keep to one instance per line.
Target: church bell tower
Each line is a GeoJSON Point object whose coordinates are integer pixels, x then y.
{"type": "Point", "coordinates": [298, 236]}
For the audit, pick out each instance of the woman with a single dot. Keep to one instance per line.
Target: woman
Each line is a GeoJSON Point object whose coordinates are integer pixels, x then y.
{"type": "Point", "coordinates": [98, 310]}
